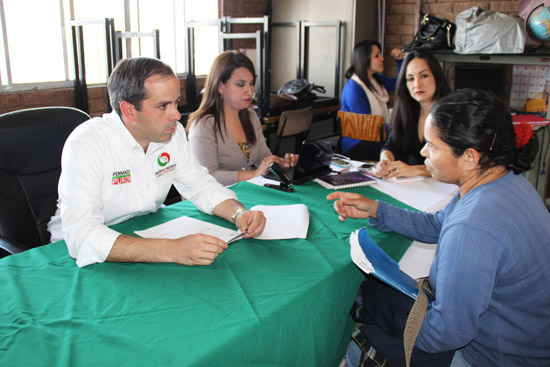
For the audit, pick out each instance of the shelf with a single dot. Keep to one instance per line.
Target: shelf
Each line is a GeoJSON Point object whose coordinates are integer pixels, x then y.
{"type": "Point", "coordinates": [531, 58]}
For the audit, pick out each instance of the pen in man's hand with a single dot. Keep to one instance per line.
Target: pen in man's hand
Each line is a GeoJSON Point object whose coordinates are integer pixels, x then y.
{"type": "Point", "coordinates": [237, 237]}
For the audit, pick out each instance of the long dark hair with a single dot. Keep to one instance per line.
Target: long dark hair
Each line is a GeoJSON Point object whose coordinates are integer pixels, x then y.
{"type": "Point", "coordinates": [360, 63]}
{"type": "Point", "coordinates": [475, 119]}
{"type": "Point", "coordinates": [405, 108]}
{"type": "Point", "coordinates": [212, 104]}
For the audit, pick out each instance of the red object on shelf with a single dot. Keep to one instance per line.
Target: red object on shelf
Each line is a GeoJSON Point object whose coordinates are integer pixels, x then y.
{"type": "Point", "coordinates": [532, 120]}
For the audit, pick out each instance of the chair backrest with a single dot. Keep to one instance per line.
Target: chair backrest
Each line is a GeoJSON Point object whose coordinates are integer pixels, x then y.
{"type": "Point", "coordinates": [294, 122]}
{"type": "Point", "coordinates": [31, 142]}
{"type": "Point", "coordinates": [363, 127]}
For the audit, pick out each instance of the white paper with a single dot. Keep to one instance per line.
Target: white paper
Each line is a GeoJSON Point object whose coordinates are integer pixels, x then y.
{"type": "Point", "coordinates": [357, 254]}
{"type": "Point", "coordinates": [284, 221]}
{"type": "Point", "coordinates": [407, 179]}
{"type": "Point", "coordinates": [185, 226]}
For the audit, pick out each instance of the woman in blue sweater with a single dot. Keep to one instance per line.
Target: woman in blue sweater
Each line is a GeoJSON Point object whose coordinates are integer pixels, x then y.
{"type": "Point", "coordinates": [491, 272]}
{"type": "Point", "coordinates": [366, 91]}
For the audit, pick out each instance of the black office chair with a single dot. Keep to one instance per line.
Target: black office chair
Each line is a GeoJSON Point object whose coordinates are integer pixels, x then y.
{"type": "Point", "coordinates": [296, 124]}
{"type": "Point", "coordinates": [31, 142]}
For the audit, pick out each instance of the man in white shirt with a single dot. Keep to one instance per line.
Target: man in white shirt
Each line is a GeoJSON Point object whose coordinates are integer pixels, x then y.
{"type": "Point", "coordinates": [123, 164]}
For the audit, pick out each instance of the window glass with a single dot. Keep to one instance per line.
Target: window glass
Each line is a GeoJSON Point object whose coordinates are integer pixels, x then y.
{"type": "Point", "coordinates": [206, 37]}
{"type": "Point", "coordinates": [95, 49]}
{"type": "Point", "coordinates": [39, 42]}
{"type": "Point", "coordinates": [34, 41]}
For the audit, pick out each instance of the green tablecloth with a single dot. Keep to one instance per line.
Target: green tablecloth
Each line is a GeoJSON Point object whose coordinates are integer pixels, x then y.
{"type": "Point", "coordinates": [261, 303]}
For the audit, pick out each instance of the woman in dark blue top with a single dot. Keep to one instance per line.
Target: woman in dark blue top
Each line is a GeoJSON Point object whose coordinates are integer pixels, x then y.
{"type": "Point", "coordinates": [420, 84]}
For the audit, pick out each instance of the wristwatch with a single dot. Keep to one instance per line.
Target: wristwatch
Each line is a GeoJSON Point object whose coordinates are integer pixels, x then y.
{"type": "Point", "coordinates": [234, 216]}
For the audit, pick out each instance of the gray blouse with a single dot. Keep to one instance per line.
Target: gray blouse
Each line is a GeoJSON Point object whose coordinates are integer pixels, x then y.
{"type": "Point", "coordinates": [223, 157]}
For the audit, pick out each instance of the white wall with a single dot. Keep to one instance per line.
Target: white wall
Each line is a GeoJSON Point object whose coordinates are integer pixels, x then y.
{"type": "Point", "coordinates": [322, 46]}
{"type": "Point", "coordinates": [359, 18]}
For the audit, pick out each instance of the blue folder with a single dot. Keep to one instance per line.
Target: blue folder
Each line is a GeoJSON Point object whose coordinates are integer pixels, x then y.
{"type": "Point", "coordinates": [386, 269]}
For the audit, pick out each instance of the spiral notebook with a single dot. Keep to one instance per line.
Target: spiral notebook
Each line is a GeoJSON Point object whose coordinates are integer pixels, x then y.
{"type": "Point", "coordinates": [345, 180]}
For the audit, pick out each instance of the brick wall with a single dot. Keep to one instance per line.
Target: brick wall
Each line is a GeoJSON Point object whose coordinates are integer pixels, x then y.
{"type": "Point", "coordinates": [401, 16]}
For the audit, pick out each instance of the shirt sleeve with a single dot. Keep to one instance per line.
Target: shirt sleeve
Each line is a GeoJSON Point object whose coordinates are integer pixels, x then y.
{"type": "Point", "coordinates": [204, 144]}
{"type": "Point", "coordinates": [195, 183]}
{"type": "Point", "coordinates": [88, 239]}
{"type": "Point", "coordinates": [418, 226]}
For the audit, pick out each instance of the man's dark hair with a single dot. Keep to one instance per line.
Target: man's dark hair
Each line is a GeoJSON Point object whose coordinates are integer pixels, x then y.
{"type": "Point", "coordinates": [126, 82]}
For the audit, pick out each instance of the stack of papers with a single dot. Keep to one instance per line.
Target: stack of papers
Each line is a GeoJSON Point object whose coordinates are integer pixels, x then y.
{"type": "Point", "coordinates": [282, 222]}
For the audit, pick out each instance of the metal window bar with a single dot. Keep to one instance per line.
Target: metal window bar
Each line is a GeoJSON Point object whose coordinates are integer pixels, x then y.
{"type": "Point", "coordinates": [119, 36]}
{"type": "Point", "coordinates": [191, 78]}
{"type": "Point", "coordinates": [304, 50]}
{"type": "Point", "coordinates": [80, 86]}
{"type": "Point", "coordinates": [5, 39]}
{"type": "Point", "coordinates": [298, 26]}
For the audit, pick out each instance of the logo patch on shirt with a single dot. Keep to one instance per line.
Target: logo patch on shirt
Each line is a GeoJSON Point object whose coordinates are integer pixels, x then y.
{"type": "Point", "coordinates": [121, 177]}
{"type": "Point", "coordinates": [164, 159]}
{"type": "Point", "coordinates": [165, 170]}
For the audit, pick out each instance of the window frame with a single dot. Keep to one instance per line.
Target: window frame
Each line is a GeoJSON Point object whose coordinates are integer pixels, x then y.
{"type": "Point", "coordinates": [66, 9]}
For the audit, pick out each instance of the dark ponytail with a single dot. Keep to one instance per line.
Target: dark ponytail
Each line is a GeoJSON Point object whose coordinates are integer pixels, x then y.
{"type": "Point", "coordinates": [474, 119]}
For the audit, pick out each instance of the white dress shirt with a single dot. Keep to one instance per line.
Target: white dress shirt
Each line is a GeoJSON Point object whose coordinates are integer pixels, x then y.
{"type": "Point", "coordinates": [107, 178]}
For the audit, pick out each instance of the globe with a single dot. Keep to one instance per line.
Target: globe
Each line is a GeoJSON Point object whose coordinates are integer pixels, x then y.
{"type": "Point", "coordinates": [538, 24]}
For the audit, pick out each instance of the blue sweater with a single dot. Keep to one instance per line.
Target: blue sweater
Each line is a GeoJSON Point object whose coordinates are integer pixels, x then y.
{"type": "Point", "coordinates": [491, 273]}
{"type": "Point", "coordinates": [354, 99]}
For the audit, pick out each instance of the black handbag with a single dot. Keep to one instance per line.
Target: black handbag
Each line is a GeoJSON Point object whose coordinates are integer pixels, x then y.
{"type": "Point", "coordinates": [301, 89]}
{"type": "Point", "coordinates": [433, 34]}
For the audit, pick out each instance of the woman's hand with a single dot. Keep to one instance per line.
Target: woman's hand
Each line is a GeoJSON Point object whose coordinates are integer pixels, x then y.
{"type": "Point", "coordinates": [266, 162]}
{"type": "Point", "coordinates": [290, 160]}
{"type": "Point", "coordinates": [382, 168]}
{"type": "Point", "coordinates": [397, 54]}
{"type": "Point", "coordinates": [351, 205]}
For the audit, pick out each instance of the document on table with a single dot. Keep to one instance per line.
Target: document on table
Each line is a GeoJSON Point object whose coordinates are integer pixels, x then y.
{"type": "Point", "coordinates": [283, 222]}
{"type": "Point", "coordinates": [185, 226]}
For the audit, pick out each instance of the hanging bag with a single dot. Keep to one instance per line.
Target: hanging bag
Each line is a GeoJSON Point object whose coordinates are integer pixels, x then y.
{"type": "Point", "coordinates": [433, 34]}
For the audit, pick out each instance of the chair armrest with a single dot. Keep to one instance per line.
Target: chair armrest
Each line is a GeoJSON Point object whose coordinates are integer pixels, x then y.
{"type": "Point", "coordinates": [11, 247]}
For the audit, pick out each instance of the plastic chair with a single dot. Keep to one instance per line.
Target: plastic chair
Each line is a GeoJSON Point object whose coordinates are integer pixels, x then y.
{"type": "Point", "coordinates": [31, 142]}
{"type": "Point", "coordinates": [294, 123]}
{"type": "Point", "coordinates": [371, 129]}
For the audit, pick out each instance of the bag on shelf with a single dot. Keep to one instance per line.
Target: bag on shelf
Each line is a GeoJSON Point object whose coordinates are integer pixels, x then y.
{"type": "Point", "coordinates": [301, 89]}
{"type": "Point", "coordinates": [433, 34]}
{"type": "Point", "coordinates": [488, 32]}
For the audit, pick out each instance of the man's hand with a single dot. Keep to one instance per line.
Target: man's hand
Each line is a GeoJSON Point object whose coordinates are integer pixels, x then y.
{"type": "Point", "coordinates": [251, 223]}
{"type": "Point", "coordinates": [197, 249]}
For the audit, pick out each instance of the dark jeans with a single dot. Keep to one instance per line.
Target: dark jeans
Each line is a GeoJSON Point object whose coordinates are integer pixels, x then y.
{"type": "Point", "coordinates": [384, 315]}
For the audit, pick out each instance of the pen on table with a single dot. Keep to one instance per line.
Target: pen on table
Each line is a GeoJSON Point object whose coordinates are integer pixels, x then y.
{"type": "Point", "coordinates": [237, 237]}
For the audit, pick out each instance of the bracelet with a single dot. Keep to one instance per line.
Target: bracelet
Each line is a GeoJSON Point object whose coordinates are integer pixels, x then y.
{"type": "Point", "coordinates": [234, 217]}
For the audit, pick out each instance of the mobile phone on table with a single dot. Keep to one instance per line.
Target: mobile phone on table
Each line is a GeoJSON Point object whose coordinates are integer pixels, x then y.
{"type": "Point", "coordinates": [366, 167]}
